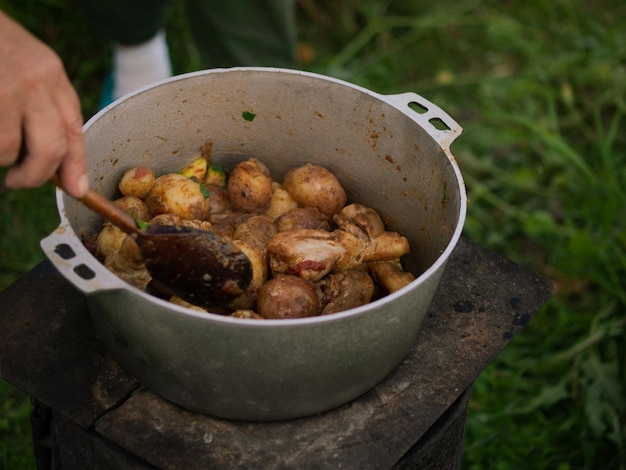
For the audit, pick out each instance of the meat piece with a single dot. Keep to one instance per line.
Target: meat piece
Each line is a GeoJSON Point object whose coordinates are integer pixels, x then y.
{"type": "Point", "coordinates": [388, 246]}
{"type": "Point", "coordinates": [390, 275]}
{"type": "Point", "coordinates": [311, 254]}
{"type": "Point", "coordinates": [356, 218]}
{"type": "Point", "coordinates": [345, 290]}
{"type": "Point", "coordinates": [252, 237]}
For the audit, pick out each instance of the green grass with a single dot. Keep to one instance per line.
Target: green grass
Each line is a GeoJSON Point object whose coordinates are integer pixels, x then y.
{"type": "Point", "coordinates": [540, 89]}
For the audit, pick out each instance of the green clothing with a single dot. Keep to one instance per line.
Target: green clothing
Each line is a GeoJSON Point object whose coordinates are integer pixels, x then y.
{"type": "Point", "coordinates": [227, 33]}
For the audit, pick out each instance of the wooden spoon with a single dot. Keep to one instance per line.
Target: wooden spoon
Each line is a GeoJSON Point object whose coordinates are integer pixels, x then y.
{"type": "Point", "coordinates": [198, 266]}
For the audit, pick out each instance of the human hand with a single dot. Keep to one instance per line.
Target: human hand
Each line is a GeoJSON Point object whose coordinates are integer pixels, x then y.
{"type": "Point", "coordinates": [41, 120]}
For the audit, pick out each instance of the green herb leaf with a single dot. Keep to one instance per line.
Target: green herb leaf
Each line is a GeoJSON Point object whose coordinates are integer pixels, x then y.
{"type": "Point", "coordinates": [248, 116]}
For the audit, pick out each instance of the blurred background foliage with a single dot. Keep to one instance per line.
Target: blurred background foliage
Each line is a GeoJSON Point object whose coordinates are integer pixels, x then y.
{"type": "Point", "coordinates": [539, 88]}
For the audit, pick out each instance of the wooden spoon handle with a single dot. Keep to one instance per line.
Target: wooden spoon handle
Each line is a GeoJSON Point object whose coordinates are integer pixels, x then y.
{"type": "Point", "coordinates": [105, 208]}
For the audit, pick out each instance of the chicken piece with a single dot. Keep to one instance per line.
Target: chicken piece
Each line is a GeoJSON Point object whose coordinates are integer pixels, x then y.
{"type": "Point", "coordinates": [389, 275]}
{"type": "Point", "coordinates": [345, 290]}
{"type": "Point", "coordinates": [311, 254]}
{"type": "Point", "coordinates": [388, 246]}
{"type": "Point", "coordinates": [128, 264]}
{"type": "Point", "coordinates": [302, 217]}
{"type": "Point", "coordinates": [357, 218]}
{"type": "Point", "coordinates": [252, 237]}
{"type": "Point", "coordinates": [258, 261]}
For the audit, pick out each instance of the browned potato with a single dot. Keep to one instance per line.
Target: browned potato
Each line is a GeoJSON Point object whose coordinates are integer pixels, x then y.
{"type": "Point", "coordinates": [250, 186]}
{"type": "Point", "coordinates": [257, 230]}
{"type": "Point", "coordinates": [315, 186]}
{"type": "Point", "coordinates": [176, 194]}
{"type": "Point", "coordinates": [287, 296]}
{"type": "Point", "coordinates": [302, 217]}
{"type": "Point", "coordinates": [137, 182]}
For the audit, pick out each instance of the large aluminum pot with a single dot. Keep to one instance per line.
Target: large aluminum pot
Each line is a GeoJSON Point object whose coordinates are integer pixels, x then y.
{"type": "Point", "coordinates": [387, 152]}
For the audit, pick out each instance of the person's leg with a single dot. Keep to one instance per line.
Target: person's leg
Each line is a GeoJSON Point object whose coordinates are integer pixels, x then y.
{"type": "Point", "coordinates": [126, 22]}
{"type": "Point", "coordinates": [244, 32]}
{"type": "Point", "coordinates": [140, 52]}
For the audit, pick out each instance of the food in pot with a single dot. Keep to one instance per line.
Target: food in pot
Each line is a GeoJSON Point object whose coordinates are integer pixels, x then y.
{"type": "Point", "coordinates": [136, 182]}
{"type": "Point", "coordinates": [250, 187]}
{"type": "Point", "coordinates": [286, 296]}
{"type": "Point", "coordinates": [177, 194]}
{"type": "Point", "coordinates": [315, 186]}
{"type": "Point", "coordinates": [311, 253]}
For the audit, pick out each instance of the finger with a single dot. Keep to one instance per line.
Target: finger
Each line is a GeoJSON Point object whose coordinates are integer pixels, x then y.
{"type": "Point", "coordinates": [10, 136]}
{"type": "Point", "coordinates": [73, 169]}
{"type": "Point", "coordinates": [45, 144]}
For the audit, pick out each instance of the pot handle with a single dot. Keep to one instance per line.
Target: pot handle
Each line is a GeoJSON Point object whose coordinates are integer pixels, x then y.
{"type": "Point", "coordinates": [439, 125]}
{"type": "Point", "coordinates": [70, 257]}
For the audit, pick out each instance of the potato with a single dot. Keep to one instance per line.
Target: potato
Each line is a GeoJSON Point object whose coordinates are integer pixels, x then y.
{"type": "Point", "coordinates": [288, 296]}
{"type": "Point", "coordinates": [315, 186]}
{"type": "Point", "coordinates": [109, 239]}
{"type": "Point", "coordinates": [134, 206]}
{"type": "Point", "coordinates": [281, 202]}
{"type": "Point", "coordinates": [136, 182]}
{"type": "Point", "coordinates": [250, 186]}
{"type": "Point", "coordinates": [302, 217]}
{"type": "Point", "coordinates": [176, 194]}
